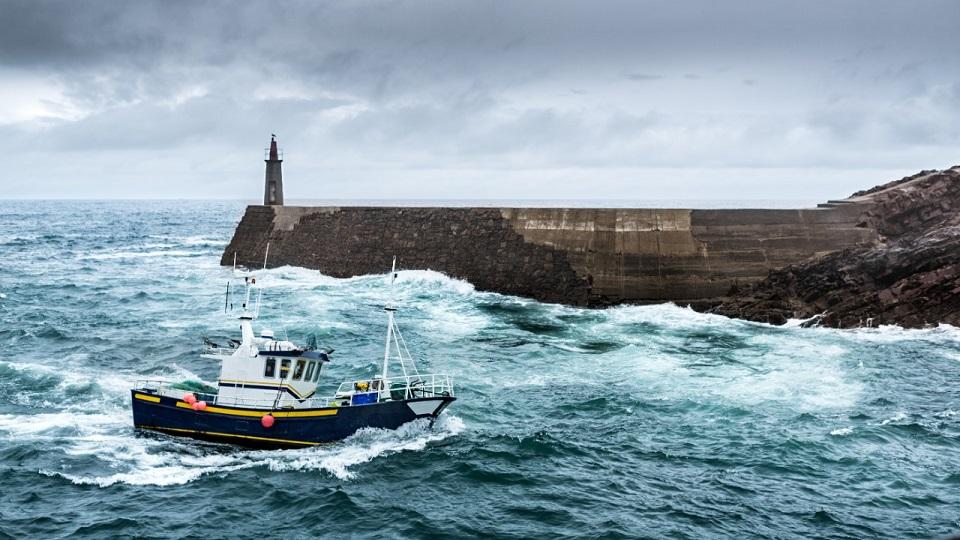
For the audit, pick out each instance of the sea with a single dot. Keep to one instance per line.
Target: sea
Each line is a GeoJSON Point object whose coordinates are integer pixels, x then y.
{"type": "Point", "coordinates": [628, 422]}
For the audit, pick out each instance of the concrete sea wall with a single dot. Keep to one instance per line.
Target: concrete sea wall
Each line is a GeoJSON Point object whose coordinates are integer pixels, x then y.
{"type": "Point", "coordinates": [580, 256]}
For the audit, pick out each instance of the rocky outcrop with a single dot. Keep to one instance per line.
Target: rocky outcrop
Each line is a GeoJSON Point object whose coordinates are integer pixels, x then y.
{"type": "Point", "coordinates": [910, 278]}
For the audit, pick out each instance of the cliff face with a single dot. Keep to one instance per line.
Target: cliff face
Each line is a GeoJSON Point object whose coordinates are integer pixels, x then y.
{"type": "Point", "coordinates": [911, 277]}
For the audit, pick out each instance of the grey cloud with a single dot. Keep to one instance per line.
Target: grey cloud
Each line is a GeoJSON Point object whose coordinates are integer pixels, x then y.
{"type": "Point", "coordinates": [497, 87]}
{"type": "Point", "coordinates": [643, 77]}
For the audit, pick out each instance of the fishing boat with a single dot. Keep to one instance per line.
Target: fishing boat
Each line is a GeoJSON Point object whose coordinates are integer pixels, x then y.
{"type": "Point", "coordinates": [266, 394]}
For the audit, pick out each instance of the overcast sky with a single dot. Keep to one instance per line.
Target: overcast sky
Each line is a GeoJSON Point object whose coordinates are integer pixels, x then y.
{"type": "Point", "coordinates": [447, 99]}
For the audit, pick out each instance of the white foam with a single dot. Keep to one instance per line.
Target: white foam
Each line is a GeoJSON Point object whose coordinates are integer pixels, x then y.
{"type": "Point", "coordinates": [203, 241]}
{"type": "Point", "coordinates": [142, 254]}
{"type": "Point", "coordinates": [894, 334]}
{"type": "Point", "coordinates": [842, 432]}
{"type": "Point", "coordinates": [293, 278]}
{"type": "Point", "coordinates": [113, 383]}
{"type": "Point", "coordinates": [166, 462]}
{"type": "Point", "coordinates": [431, 277]}
{"type": "Point", "coordinates": [197, 240]}
{"type": "Point", "coordinates": [670, 315]}
{"type": "Point", "coordinates": [897, 418]}
{"type": "Point", "coordinates": [449, 322]}
{"type": "Point", "coordinates": [774, 368]}
{"type": "Point", "coordinates": [33, 425]}
{"type": "Point", "coordinates": [366, 445]}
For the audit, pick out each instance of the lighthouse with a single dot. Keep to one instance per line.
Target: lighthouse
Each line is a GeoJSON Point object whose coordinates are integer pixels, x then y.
{"type": "Point", "coordinates": [273, 183]}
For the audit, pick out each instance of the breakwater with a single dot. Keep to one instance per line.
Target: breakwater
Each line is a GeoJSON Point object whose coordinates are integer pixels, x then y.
{"type": "Point", "coordinates": [578, 256]}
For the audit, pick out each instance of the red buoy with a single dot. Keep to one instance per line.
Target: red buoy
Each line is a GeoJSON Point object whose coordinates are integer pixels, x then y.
{"type": "Point", "coordinates": [195, 405]}
{"type": "Point", "coordinates": [190, 398]}
{"type": "Point", "coordinates": [267, 420]}
{"type": "Point", "coordinates": [201, 405]}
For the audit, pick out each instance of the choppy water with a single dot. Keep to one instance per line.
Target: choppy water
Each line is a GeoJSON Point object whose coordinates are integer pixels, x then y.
{"type": "Point", "coordinates": [628, 422]}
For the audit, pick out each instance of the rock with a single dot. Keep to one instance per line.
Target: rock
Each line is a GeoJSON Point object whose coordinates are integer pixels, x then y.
{"type": "Point", "coordinates": [911, 278]}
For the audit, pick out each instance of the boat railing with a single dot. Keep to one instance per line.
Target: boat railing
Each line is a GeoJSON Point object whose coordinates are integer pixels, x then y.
{"type": "Point", "coordinates": [170, 389]}
{"type": "Point", "coordinates": [167, 388]}
{"type": "Point", "coordinates": [402, 387]}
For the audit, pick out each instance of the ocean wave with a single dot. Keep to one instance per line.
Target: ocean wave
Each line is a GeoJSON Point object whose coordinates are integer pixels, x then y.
{"type": "Point", "coordinates": [432, 278]}
{"type": "Point", "coordinates": [141, 254]}
{"type": "Point", "coordinates": [366, 445]}
{"type": "Point", "coordinates": [202, 241]}
{"type": "Point", "coordinates": [898, 418]}
{"type": "Point", "coordinates": [163, 461]}
{"type": "Point", "coordinates": [293, 277]}
{"type": "Point", "coordinates": [60, 424]}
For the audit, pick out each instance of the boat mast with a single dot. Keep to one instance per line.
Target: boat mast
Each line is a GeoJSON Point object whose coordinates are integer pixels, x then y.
{"type": "Point", "coordinates": [390, 309]}
{"type": "Point", "coordinates": [256, 312]}
{"type": "Point", "coordinates": [246, 329]}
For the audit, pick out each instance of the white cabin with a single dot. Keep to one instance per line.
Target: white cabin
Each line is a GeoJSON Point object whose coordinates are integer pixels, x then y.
{"type": "Point", "coordinates": [264, 369]}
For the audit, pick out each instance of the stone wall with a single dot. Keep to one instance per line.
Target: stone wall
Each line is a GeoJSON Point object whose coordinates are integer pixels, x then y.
{"type": "Point", "coordinates": [576, 256]}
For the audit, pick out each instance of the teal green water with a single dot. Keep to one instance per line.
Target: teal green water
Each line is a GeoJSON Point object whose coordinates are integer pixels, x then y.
{"type": "Point", "coordinates": [621, 423]}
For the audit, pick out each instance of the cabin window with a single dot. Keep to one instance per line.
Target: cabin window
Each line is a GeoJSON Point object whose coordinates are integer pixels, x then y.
{"type": "Point", "coordinates": [316, 376]}
{"type": "Point", "coordinates": [270, 368]}
{"type": "Point", "coordinates": [298, 371]}
{"type": "Point", "coordinates": [284, 368]}
{"type": "Point", "coordinates": [309, 375]}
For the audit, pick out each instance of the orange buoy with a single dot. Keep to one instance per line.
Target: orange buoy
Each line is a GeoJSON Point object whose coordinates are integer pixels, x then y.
{"type": "Point", "coordinates": [201, 405]}
{"type": "Point", "coordinates": [267, 420]}
{"type": "Point", "coordinates": [190, 398]}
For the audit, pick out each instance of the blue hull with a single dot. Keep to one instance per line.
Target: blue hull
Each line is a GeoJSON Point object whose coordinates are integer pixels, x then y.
{"type": "Point", "coordinates": [292, 428]}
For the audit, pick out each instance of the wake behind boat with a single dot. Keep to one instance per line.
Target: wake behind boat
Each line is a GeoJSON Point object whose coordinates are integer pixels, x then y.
{"type": "Point", "coordinates": [266, 395]}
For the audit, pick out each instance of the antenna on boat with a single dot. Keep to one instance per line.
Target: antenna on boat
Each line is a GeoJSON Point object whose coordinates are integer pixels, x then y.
{"type": "Point", "coordinates": [390, 309]}
{"type": "Point", "coordinates": [256, 312]}
{"type": "Point", "coordinates": [226, 299]}
{"type": "Point", "coordinates": [394, 337]}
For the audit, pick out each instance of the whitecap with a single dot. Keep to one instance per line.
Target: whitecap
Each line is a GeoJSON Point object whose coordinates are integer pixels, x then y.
{"type": "Point", "coordinates": [142, 254]}
{"type": "Point", "coordinates": [841, 432]}
{"type": "Point", "coordinates": [952, 355]}
{"type": "Point", "coordinates": [366, 445]}
{"type": "Point", "coordinates": [899, 417]}
{"type": "Point", "coordinates": [432, 277]}
{"type": "Point", "coordinates": [146, 461]}
{"type": "Point", "coordinates": [203, 241]}
{"type": "Point", "coordinates": [47, 424]}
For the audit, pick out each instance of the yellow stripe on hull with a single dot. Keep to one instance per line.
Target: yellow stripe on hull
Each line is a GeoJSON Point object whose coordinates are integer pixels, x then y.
{"type": "Point", "coordinates": [258, 413]}
{"type": "Point", "coordinates": [218, 434]}
{"type": "Point", "coordinates": [144, 397]}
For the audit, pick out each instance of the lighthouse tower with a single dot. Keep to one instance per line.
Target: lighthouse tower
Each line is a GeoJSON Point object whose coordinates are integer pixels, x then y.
{"type": "Point", "coordinates": [273, 184]}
